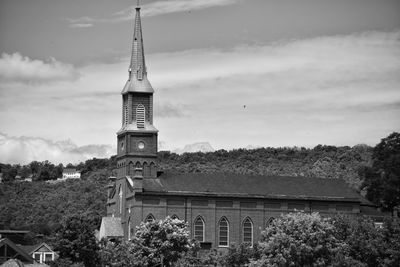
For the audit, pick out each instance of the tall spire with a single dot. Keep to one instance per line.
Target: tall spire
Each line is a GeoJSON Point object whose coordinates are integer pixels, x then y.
{"type": "Point", "coordinates": [137, 80]}
{"type": "Point", "coordinates": [137, 68]}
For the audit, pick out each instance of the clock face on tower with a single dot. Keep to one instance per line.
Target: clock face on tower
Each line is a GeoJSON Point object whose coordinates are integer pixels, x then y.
{"type": "Point", "coordinates": [141, 145]}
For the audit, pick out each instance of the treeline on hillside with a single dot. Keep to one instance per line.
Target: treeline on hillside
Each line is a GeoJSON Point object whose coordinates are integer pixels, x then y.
{"type": "Point", "coordinates": [321, 161]}
{"type": "Point", "coordinates": [41, 207]}
{"type": "Point", "coordinates": [45, 170]}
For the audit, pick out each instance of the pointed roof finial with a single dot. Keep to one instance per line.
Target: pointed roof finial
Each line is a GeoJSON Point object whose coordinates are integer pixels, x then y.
{"type": "Point", "coordinates": [138, 4]}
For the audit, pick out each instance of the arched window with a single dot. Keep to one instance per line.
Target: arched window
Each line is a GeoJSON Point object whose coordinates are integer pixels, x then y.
{"type": "Point", "coordinates": [150, 218]}
{"type": "Point", "coordinates": [247, 231]}
{"type": "Point", "coordinates": [153, 170]}
{"type": "Point", "coordinates": [174, 217]}
{"type": "Point", "coordinates": [120, 199]}
{"type": "Point", "coordinates": [140, 116]}
{"type": "Point", "coordinates": [199, 229]}
{"type": "Point", "coordinates": [223, 227]}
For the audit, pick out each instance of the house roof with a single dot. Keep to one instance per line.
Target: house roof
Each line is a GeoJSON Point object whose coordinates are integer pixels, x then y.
{"type": "Point", "coordinates": [21, 254]}
{"type": "Point", "coordinates": [27, 248]}
{"type": "Point", "coordinates": [34, 248]}
{"type": "Point", "coordinates": [70, 170]}
{"type": "Point", "coordinates": [237, 185]}
{"type": "Point", "coordinates": [112, 227]}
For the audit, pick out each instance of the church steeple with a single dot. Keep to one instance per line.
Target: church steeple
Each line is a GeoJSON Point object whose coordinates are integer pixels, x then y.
{"type": "Point", "coordinates": [137, 138]}
{"type": "Point", "coordinates": [137, 79]}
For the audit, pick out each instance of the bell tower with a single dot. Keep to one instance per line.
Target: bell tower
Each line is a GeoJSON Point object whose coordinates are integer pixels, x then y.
{"type": "Point", "coordinates": [137, 138]}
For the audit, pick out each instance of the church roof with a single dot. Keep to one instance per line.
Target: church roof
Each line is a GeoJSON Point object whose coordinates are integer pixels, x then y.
{"type": "Point", "coordinates": [238, 185]}
{"type": "Point", "coordinates": [111, 227]}
{"type": "Point", "coordinates": [148, 127]}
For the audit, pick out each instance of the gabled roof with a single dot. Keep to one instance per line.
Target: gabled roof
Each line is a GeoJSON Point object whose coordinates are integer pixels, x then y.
{"type": "Point", "coordinates": [111, 227]}
{"type": "Point", "coordinates": [34, 248]}
{"type": "Point", "coordinates": [21, 254]}
{"type": "Point", "coordinates": [27, 248]}
{"type": "Point", "coordinates": [237, 185]}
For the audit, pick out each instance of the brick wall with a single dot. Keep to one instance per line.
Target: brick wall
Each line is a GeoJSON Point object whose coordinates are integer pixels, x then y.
{"type": "Point", "coordinates": [235, 210]}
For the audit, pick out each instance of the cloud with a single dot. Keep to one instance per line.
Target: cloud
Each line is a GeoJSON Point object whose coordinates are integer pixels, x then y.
{"type": "Point", "coordinates": [24, 150]}
{"type": "Point", "coordinates": [151, 9]}
{"type": "Point", "coordinates": [174, 6]}
{"type": "Point", "coordinates": [82, 22]}
{"type": "Point", "coordinates": [167, 110]}
{"type": "Point", "coordinates": [339, 90]}
{"type": "Point", "coordinates": [81, 25]}
{"type": "Point", "coordinates": [17, 68]}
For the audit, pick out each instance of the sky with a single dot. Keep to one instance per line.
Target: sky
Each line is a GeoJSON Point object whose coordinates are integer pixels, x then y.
{"type": "Point", "coordinates": [234, 73]}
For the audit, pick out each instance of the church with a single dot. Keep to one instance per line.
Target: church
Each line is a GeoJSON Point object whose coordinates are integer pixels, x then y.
{"type": "Point", "coordinates": [220, 208]}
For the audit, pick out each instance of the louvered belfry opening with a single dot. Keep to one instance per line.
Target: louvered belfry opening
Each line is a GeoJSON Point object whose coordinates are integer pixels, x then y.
{"type": "Point", "coordinates": [140, 116]}
{"type": "Point", "coordinates": [125, 114]}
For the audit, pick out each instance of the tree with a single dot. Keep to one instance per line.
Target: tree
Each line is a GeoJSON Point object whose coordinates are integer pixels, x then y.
{"type": "Point", "coordinates": [76, 241]}
{"type": "Point", "coordinates": [299, 239]}
{"type": "Point", "coordinates": [25, 171]}
{"type": "Point", "coordinates": [163, 240]}
{"type": "Point", "coordinates": [121, 253]}
{"type": "Point", "coordinates": [391, 238]}
{"type": "Point", "coordinates": [382, 180]}
{"type": "Point", "coordinates": [367, 244]}
{"type": "Point", "coordinates": [9, 172]}
{"type": "Point", "coordinates": [364, 241]}
{"type": "Point", "coordinates": [156, 242]}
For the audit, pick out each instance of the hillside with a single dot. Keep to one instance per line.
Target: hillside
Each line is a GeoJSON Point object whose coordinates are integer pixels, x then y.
{"type": "Point", "coordinates": [40, 206]}
{"type": "Point", "coordinates": [320, 161]}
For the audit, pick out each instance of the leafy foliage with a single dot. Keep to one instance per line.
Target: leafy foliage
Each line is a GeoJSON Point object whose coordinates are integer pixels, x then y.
{"type": "Point", "coordinates": [121, 253]}
{"type": "Point", "coordinates": [166, 239]}
{"type": "Point", "coordinates": [76, 241]}
{"type": "Point", "coordinates": [41, 206]}
{"type": "Point", "coordinates": [241, 255]}
{"type": "Point", "coordinates": [368, 244]}
{"type": "Point", "coordinates": [382, 180]}
{"type": "Point", "coordinates": [154, 242]}
{"type": "Point", "coordinates": [299, 239]}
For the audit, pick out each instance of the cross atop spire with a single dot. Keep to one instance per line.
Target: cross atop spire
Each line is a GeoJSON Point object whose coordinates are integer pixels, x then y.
{"type": "Point", "coordinates": [137, 68]}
